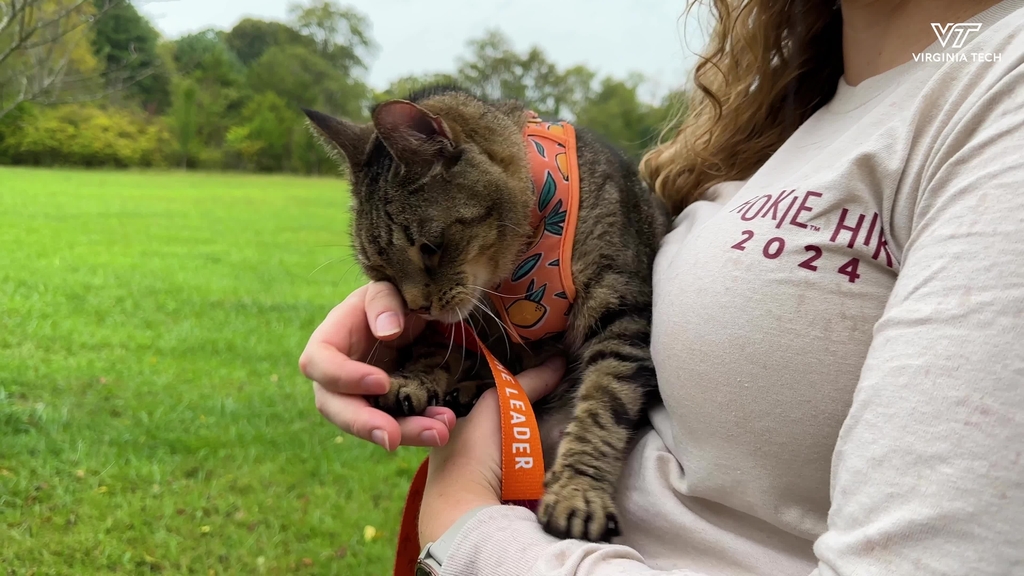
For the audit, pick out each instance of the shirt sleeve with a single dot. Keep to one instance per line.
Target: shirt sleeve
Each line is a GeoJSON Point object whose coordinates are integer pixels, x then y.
{"type": "Point", "coordinates": [508, 541]}
{"type": "Point", "coordinates": [927, 474]}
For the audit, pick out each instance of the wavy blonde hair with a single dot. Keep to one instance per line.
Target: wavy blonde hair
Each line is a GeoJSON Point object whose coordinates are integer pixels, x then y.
{"type": "Point", "coordinates": [768, 65]}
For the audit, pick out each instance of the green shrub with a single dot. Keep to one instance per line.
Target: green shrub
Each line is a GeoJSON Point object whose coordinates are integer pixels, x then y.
{"type": "Point", "coordinates": [80, 135]}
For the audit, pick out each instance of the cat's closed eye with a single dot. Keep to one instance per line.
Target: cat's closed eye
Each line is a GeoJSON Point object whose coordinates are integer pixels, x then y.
{"type": "Point", "coordinates": [430, 253]}
{"type": "Point", "coordinates": [429, 250]}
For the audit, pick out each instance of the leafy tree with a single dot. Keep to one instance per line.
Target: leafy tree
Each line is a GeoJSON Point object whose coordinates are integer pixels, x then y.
{"type": "Point", "coordinates": [611, 107]}
{"type": "Point", "coordinates": [494, 70]}
{"type": "Point", "coordinates": [309, 156]}
{"type": "Point", "coordinates": [127, 44]}
{"type": "Point", "coordinates": [303, 79]}
{"type": "Point", "coordinates": [184, 120]}
{"type": "Point", "coordinates": [205, 59]}
{"type": "Point", "coordinates": [264, 140]}
{"type": "Point", "coordinates": [250, 38]}
{"type": "Point", "coordinates": [617, 113]}
{"type": "Point", "coordinates": [406, 85]}
{"type": "Point", "coordinates": [341, 33]}
{"type": "Point", "coordinates": [670, 114]}
{"type": "Point", "coordinates": [576, 88]}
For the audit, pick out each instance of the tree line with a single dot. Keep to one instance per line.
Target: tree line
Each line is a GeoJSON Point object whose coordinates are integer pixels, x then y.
{"type": "Point", "coordinates": [92, 83]}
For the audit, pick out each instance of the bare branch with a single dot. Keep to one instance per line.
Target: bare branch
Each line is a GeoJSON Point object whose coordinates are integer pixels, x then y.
{"type": "Point", "coordinates": [35, 65]}
{"type": "Point", "coordinates": [14, 14]}
{"type": "Point", "coordinates": [21, 39]}
{"type": "Point", "coordinates": [18, 100]}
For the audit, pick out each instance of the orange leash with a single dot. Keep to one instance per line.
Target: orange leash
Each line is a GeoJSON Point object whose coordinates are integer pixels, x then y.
{"type": "Point", "coordinates": [522, 461]}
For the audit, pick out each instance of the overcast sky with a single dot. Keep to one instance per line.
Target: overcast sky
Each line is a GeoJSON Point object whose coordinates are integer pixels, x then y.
{"type": "Point", "coordinates": [419, 36]}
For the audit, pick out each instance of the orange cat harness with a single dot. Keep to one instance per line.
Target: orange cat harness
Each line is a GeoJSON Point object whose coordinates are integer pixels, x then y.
{"type": "Point", "coordinates": [536, 299]}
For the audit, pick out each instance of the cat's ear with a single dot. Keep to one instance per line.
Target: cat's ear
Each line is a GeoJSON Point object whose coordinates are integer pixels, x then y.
{"type": "Point", "coordinates": [351, 138]}
{"type": "Point", "coordinates": [412, 134]}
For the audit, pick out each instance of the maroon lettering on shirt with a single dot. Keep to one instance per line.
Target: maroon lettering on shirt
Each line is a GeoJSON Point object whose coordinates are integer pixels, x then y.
{"type": "Point", "coordinates": [768, 206]}
{"type": "Point", "coordinates": [804, 208]}
{"type": "Point", "coordinates": [773, 208]}
{"type": "Point", "coordinates": [789, 207]}
{"type": "Point", "coordinates": [842, 226]}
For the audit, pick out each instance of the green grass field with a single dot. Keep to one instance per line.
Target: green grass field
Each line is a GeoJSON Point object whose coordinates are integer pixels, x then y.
{"type": "Point", "coordinates": [152, 416]}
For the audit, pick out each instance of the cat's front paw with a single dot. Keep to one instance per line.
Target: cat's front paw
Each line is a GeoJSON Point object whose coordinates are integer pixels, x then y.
{"type": "Point", "coordinates": [463, 396]}
{"type": "Point", "coordinates": [577, 507]}
{"type": "Point", "coordinates": [409, 395]}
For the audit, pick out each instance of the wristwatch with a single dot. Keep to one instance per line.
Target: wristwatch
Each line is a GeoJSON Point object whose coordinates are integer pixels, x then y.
{"type": "Point", "coordinates": [433, 555]}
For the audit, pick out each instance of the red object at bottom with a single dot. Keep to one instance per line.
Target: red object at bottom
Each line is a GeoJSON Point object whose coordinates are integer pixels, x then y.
{"type": "Point", "coordinates": [409, 534]}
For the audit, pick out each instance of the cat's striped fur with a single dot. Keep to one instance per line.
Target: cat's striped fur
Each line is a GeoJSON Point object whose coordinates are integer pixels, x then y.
{"type": "Point", "coordinates": [441, 210]}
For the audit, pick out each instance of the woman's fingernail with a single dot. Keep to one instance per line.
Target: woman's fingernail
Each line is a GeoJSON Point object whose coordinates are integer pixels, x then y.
{"type": "Point", "coordinates": [375, 385]}
{"type": "Point", "coordinates": [430, 437]}
{"type": "Point", "coordinates": [443, 418]}
{"type": "Point", "coordinates": [380, 437]}
{"type": "Point", "coordinates": [388, 323]}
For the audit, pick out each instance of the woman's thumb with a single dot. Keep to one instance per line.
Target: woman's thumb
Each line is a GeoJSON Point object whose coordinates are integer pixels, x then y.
{"type": "Point", "coordinates": [542, 380]}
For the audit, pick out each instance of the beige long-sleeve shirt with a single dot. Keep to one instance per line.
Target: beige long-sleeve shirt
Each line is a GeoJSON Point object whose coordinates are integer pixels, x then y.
{"type": "Point", "coordinates": [839, 344]}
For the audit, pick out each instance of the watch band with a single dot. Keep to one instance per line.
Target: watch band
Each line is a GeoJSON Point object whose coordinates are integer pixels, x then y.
{"type": "Point", "coordinates": [435, 553]}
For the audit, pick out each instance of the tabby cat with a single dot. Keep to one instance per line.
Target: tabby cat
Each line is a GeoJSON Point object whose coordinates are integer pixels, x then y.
{"type": "Point", "coordinates": [442, 195]}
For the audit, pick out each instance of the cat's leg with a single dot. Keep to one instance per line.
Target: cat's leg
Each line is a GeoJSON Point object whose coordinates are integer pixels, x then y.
{"type": "Point", "coordinates": [422, 380]}
{"type": "Point", "coordinates": [433, 372]}
{"type": "Point", "coordinates": [617, 381]}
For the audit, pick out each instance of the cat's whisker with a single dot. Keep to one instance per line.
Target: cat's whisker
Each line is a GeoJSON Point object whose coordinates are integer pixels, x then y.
{"type": "Point", "coordinates": [348, 270]}
{"type": "Point", "coordinates": [369, 359]}
{"type": "Point", "coordinates": [331, 261]}
{"type": "Point", "coordinates": [450, 344]}
{"type": "Point", "coordinates": [498, 293]}
{"type": "Point", "coordinates": [476, 365]}
{"type": "Point", "coordinates": [504, 329]}
{"type": "Point", "coordinates": [478, 317]}
{"type": "Point", "coordinates": [349, 245]}
{"type": "Point", "coordinates": [517, 229]}
{"type": "Point", "coordinates": [476, 330]}
{"type": "Point", "coordinates": [346, 274]}
{"type": "Point", "coordinates": [462, 326]}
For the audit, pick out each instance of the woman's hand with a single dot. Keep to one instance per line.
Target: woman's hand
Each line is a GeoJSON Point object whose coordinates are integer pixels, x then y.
{"type": "Point", "coordinates": [466, 472]}
{"type": "Point", "coordinates": [336, 360]}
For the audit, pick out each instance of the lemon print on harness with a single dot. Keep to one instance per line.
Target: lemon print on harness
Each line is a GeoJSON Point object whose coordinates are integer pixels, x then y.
{"type": "Point", "coordinates": [563, 165]}
{"type": "Point", "coordinates": [530, 310]}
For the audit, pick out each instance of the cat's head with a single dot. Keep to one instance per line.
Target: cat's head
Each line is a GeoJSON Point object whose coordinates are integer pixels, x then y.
{"type": "Point", "coordinates": [441, 196]}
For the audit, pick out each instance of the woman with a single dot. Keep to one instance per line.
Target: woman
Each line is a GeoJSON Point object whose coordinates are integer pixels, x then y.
{"type": "Point", "coordinates": [839, 317]}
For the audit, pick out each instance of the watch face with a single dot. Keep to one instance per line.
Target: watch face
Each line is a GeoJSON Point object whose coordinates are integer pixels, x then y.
{"type": "Point", "coordinates": [424, 570]}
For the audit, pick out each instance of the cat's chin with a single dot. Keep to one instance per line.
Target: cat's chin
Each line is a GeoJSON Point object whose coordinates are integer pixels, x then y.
{"type": "Point", "coordinates": [453, 316]}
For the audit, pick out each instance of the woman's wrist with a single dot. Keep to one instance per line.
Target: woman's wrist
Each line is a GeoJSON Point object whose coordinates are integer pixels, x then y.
{"type": "Point", "coordinates": [443, 505]}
